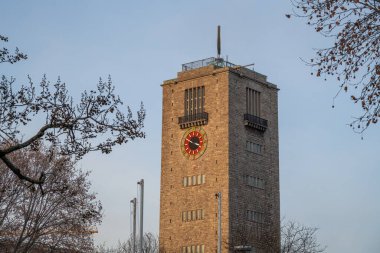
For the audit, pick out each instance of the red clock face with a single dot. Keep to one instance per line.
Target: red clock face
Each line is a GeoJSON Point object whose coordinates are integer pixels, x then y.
{"type": "Point", "coordinates": [194, 143]}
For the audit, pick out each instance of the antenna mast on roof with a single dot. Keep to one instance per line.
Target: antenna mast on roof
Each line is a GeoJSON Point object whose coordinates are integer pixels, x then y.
{"type": "Point", "coordinates": [218, 42]}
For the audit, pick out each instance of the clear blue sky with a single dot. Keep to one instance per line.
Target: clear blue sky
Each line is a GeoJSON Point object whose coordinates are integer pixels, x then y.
{"type": "Point", "coordinates": [329, 176]}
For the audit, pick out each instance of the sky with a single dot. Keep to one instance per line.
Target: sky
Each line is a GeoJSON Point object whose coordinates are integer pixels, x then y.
{"type": "Point", "coordinates": [328, 174]}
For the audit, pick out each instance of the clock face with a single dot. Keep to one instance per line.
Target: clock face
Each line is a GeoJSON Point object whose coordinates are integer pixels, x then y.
{"type": "Point", "coordinates": [194, 143]}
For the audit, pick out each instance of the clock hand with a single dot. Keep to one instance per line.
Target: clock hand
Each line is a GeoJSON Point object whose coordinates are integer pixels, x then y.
{"type": "Point", "coordinates": [193, 142]}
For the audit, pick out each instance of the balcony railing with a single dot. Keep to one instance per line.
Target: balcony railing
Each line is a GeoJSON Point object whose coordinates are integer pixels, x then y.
{"type": "Point", "coordinates": [198, 119]}
{"type": "Point", "coordinates": [255, 122]}
{"type": "Point", "coordinates": [218, 62]}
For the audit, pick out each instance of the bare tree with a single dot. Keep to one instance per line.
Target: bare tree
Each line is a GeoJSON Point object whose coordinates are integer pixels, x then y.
{"type": "Point", "coordinates": [354, 56]}
{"type": "Point", "coordinates": [96, 123]}
{"type": "Point", "coordinates": [9, 199]}
{"type": "Point", "coordinates": [260, 237]}
{"type": "Point", "coordinates": [297, 238]}
{"type": "Point", "coordinates": [262, 233]}
{"type": "Point", "coordinates": [150, 245]}
{"type": "Point", "coordinates": [60, 220]}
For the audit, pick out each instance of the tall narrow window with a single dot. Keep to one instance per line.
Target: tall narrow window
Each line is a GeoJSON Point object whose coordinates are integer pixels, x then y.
{"type": "Point", "coordinates": [255, 182]}
{"type": "Point", "coordinates": [191, 97]}
{"type": "Point", "coordinates": [186, 102]}
{"type": "Point", "coordinates": [199, 214]}
{"type": "Point", "coordinates": [194, 108]}
{"type": "Point", "coordinates": [185, 181]}
{"type": "Point", "coordinates": [253, 102]}
{"type": "Point", "coordinates": [255, 216]}
{"type": "Point", "coordinates": [254, 147]}
{"type": "Point", "coordinates": [194, 182]}
{"type": "Point", "coordinates": [194, 100]}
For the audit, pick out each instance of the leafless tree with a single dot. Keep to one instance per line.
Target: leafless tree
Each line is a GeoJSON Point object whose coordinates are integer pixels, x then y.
{"type": "Point", "coordinates": [261, 237]}
{"type": "Point", "coordinates": [261, 233]}
{"type": "Point", "coordinates": [354, 56]}
{"type": "Point", "coordinates": [59, 220]}
{"type": "Point", "coordinates": [297, 238]}
{"type": "Point", "coordinates": [150, 245]}
{"type": "Point", "coordinates": [96, 123]}
{"type": "Point", "coordinates": [9, 199]}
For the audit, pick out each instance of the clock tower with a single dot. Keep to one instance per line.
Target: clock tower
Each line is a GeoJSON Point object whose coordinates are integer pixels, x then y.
{"type": "Point", "coordinates": [220, 160]}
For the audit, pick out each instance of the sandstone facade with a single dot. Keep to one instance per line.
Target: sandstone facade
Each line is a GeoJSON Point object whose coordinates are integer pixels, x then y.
{"type": "Point", "coordinates": [250, 209]}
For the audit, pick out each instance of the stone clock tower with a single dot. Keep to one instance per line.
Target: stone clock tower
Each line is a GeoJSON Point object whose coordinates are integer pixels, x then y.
{"type": "Point", "coordinates": [219, 135]}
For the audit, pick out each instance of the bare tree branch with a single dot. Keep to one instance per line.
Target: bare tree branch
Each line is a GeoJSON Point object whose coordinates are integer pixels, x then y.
{"type": "Point", "coordinates": [297, 238]}
{"type": "Point", "coordinates": [354, 57]}
{"type": "Point", "coordinates": [96, 123]}
{"type": "Point", "coordinates": [150, 245]}
{"type": "Point", "coordinates": [18, 173]}
{"type": "Point", "coordinates": [5, 56]}
{"type": "Point", "coordinates": [62, 219]}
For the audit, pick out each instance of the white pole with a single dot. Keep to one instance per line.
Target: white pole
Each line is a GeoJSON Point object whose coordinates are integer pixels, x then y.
{"type": "Point", "coordinates": [133, 201]}
{"type": "Point", "coordinates": [219, 196]}
{"type": "Point", "coordinates": [141, 183]}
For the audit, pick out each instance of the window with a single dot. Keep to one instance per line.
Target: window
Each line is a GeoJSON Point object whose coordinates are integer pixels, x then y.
{"type": "Point", "coordinates": [194, 108]}
{"type": "Point", "coordinates": [194, 100]}
{"type": "Point", "coordinates": [200, 214]}
{"type": "Point", "coordinates": [255, 216]}
{"type": "Point", "coordinates": [193, 180]}
{"type": "Point", "coordinates": [192, 215]}
{"type": "Point", "coordinates": [255, 182]}
{"type": "Point", "coordinates": [253, 102]}
{"type": "Point", "coordinates": [254, 147]}
{"type": "Point", "coordinates": [185, 181]}
{"type": "Point", "coordinates": [193, 249]}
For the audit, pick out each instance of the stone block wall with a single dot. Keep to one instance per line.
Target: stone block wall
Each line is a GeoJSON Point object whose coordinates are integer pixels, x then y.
{"type": "Point", "coordinates": [224, 163]}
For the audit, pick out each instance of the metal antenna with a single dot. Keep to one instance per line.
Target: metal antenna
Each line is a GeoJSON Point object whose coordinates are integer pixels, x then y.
{"type": "Point", "coordinates": [219, 42]}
